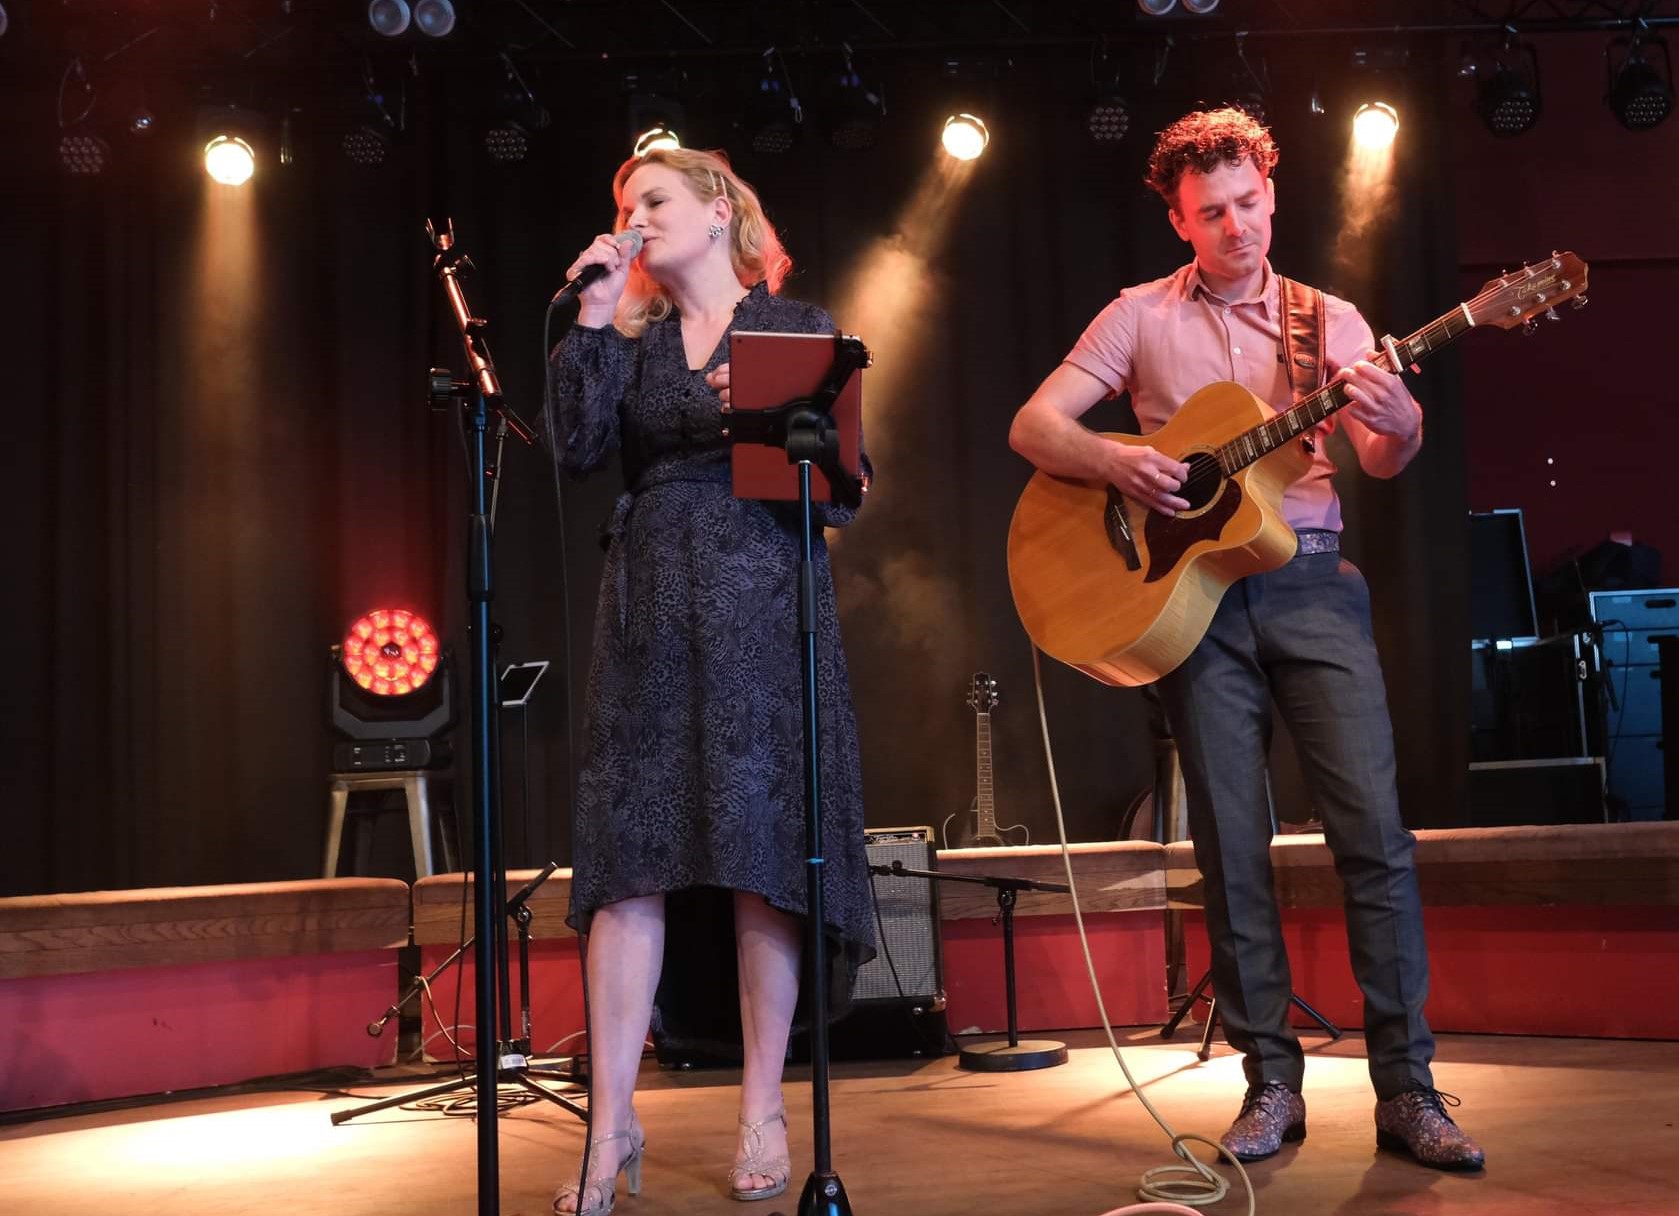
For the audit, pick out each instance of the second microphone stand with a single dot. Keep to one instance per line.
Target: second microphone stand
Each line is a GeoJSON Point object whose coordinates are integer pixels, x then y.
{"type": "Point", "coordinates": [1012, 1054]}
{"type": "Point", "coordinates": [515, 1063]}
{"type": "Point", "coordinates": [479, 397]}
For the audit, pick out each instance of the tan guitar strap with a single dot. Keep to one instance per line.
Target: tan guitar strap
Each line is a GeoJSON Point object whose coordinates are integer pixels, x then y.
{"type": "Point", "coordinates": [1303, 336]}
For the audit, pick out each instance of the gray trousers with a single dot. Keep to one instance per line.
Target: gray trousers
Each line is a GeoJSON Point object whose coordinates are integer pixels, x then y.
{"type": "Point", "coordinates": [1301, 635]}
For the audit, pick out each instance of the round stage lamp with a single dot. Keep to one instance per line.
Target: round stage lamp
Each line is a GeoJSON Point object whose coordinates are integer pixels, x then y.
{"type": "Point", "coordinates": [1375, 125]}
{"type": "Point", "coordinates": [388, 17]}
{"type": "Point", "coordinates": [656, 139]}
{"type": "Point", "coordinates": [965, 136]}
{"type": "Point", "coordinates": [434, 18]}
{"type": "Point", "coordinates": [390, 652]}
{"type": "Point", "coordinates": [229, 160]}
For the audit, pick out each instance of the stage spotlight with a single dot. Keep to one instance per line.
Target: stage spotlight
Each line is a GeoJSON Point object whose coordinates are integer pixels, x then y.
{"type": "Point", "coordinates": [5, 21]}
{"type": "Point", "coordinates": [434, 18]}
{"type": "Point", "coordinates": [388, 17]}
{"type": "Point", "coordinates": [1108, 119]}
{"type": "Point", "coordinates": [141, 121]}
{"type": "Point", "coordinates": [1156, 8]}
{"type": "Point", "coordinates": [774, 116]}
{"type": "Point", "coordinates": [80, 151]}
{"type": "Point", "coordinates": [229, 160]}
{"type": "Point", "coordinates": [1200, 7]}
{"type": "Point", "coordinates": [655, 115]}
{"type": "Point", "coordinates": [1640, 93]}
{"type": "Point", "coordinates": [854, 110]}
{"type": "Point", "coordinates": [519, 115]}
{"type": "Point", "coordinates": [965, 136]}
{"type": "Point", "coordinates": [83, 153]}
{"type": "Point", "coordinates": [507, 141]}
{"type": "Point", "coordinates": [366, 145]}
{"type": "Point", "coordinates": [392, 694]}
{"type": "Point", "coordinates": [1507, 90]}
{"type": "Point", "coordinates": [390, 652]}
{"type": "Point", "coordinates": [656, 139]}
{"type": "Point", "coordinates": [231, 137]}
{"type": "Point", "coordinates": [370, 137]}
{"type": "Point", "coordinates": [1375, 125]}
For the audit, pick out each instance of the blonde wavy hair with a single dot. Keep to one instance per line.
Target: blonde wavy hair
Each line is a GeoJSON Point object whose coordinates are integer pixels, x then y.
{"type": "Point", "coordinates": [755, 250]}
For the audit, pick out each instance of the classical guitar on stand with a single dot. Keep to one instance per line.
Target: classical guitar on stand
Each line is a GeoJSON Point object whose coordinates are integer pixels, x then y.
{"type": "Point", "coordinates": [1124, 593]}
{"type": "Point", "coordinates": [976, 828]}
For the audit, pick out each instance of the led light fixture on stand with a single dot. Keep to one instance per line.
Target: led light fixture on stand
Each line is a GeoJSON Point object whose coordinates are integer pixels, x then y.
{"type": "Point", "coordinates": [392, 695]}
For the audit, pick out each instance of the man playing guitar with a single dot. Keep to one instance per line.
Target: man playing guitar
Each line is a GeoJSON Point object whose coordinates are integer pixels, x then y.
{"type": "Point", "coordinates": [1299, 634]}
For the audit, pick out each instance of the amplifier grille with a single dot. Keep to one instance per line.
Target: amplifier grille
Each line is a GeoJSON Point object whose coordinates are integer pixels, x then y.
{"type": "Point", "coordinates": [909, 919]}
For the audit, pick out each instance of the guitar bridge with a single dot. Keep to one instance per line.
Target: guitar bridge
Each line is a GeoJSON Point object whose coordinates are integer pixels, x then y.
{"type": "Point", "coordinates": [1119, 530]}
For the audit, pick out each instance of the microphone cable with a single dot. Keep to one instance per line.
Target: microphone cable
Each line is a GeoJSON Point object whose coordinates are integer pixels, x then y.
{"type": "Point", "coordinates": [549, 433]}
{"type": "Point", "coordinates": [1165, 1188]}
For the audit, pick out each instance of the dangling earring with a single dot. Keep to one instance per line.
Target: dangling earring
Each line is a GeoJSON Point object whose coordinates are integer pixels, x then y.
{"type": "Point", "coordinates": [715, 231]}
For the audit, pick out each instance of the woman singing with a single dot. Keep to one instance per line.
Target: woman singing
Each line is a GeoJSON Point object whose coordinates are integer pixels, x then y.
{"type": "Point", "coordinates": [688, 849]}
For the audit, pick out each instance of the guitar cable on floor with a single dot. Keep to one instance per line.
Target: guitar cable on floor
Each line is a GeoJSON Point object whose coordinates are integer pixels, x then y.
{"type": "Point", "coordinates": [1165, 1188]}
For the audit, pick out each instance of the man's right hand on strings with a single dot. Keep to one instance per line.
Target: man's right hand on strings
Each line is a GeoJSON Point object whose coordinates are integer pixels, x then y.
{"type": "Point", "coordinates": [1149, 476]}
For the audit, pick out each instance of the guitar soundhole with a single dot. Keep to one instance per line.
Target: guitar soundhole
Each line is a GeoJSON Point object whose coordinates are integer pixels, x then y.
{"type": "Point", "coordinates": [1204, 481]}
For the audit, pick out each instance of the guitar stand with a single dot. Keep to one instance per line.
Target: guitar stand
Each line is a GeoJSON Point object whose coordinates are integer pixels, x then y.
{"type": "Point", "coordinates": [513, 1058]}
{"type": "Point", "coordinates": [1199, 993]}
{"type": "Point", "coordinates": [999, 1055]}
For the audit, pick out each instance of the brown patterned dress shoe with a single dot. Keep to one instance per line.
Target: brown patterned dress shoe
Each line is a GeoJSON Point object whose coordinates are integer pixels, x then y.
{"type": "Point", "coordinates": [1272, 1115]}
{"type": "Point", "coordinates": [1416, 1122]}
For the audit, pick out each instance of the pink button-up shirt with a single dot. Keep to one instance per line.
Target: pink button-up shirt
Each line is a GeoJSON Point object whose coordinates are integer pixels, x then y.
{"type": "Point", "coordinates": [1164, 340]}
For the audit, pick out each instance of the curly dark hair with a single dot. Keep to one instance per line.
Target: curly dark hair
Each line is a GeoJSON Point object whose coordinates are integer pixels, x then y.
{"type": "Point", "coordinates": [1201, 142]}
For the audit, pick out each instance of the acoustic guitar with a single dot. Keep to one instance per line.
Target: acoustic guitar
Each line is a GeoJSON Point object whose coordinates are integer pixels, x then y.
{"type": "Point", "coordinates": [977, 827]}
{"type": "Point", "coordinates": [1124, 593]}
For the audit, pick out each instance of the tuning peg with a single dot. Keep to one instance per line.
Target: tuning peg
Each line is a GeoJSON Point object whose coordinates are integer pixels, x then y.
{"type": "Point", "coordinates": [1529, 326]}
{"type": "Point", "coordinates": [1551, 315]}
{"type": "Point", "coordinates": [1578, 302]}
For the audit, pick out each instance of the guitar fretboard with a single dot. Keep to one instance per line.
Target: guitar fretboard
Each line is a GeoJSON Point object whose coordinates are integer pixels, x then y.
{"type": "Point", "coordinates": [983, 802]}
{"type": "Point", "coordinates": [1311, 410]}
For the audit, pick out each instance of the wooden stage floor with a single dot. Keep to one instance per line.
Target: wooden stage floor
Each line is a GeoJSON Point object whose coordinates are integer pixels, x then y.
{"type": "Point", "coordinates": [1569, 1125]}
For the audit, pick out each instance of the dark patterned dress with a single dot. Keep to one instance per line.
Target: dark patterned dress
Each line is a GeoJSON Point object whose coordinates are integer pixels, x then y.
{"type": "Point", "coordinates": [691, 781]}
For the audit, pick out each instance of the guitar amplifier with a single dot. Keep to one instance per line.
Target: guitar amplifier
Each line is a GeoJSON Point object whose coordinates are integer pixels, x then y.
{"type": "Point", "coordinates": [898, 1001]}
{"type": "Point", "coordinates": [909, 964]}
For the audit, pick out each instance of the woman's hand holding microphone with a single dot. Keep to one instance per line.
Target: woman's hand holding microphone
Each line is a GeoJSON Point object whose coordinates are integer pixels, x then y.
{"type": "Point", "coordinates": [598, 292]}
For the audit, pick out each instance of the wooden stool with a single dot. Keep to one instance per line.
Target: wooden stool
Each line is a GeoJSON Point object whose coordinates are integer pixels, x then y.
{"type": "Point", "coordinates": [417, 786]}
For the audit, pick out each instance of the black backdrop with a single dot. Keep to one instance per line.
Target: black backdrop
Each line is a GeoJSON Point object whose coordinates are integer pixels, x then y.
{"type": "Point", "coordinates": [220, 454]}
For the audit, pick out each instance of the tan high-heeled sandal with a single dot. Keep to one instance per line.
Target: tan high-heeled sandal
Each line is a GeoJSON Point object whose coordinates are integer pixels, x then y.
{"type": "Point", "coordinates": [777, 1168]}
{"type": "Point", "coordinates": [602, 1192]}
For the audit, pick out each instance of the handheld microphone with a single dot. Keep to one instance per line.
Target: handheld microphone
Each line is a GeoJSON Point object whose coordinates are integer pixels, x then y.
{"type": "Point", "coordinates": [629, 244]}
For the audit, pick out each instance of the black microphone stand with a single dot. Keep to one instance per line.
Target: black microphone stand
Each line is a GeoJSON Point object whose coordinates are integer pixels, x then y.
{"type": "Point", "coordinates": [478, 396]}
{"type": "Point", "coordinates": [514, 1061]}
{"type": "Point", "coordinates": [1012, 1054]}
{"type": "Point", "coordinates": [805, 428]}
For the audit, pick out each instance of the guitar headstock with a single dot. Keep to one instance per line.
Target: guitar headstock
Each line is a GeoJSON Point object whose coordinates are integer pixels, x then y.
{"type": "Point", "coordinates": [982, 695]}
{"type": "Point", "coordinates": [1519, 297]}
